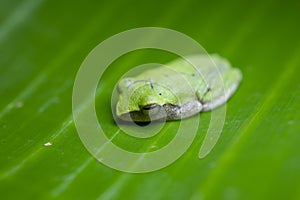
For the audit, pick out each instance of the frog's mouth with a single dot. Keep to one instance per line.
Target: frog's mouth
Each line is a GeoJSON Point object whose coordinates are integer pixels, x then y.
{"type": "Point", "coordinates": [151, 112]}
{"type": "Point", "coordinates": [150, 107]}
{"type": "Point", "coordinates": [166, 112]}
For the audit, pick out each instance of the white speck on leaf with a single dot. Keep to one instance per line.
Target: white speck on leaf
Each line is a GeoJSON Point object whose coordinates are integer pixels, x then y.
{"type": "Point", "coordinates": [47, 144]}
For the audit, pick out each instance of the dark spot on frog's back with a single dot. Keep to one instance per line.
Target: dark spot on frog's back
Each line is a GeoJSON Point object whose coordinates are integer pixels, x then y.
{"type": "Point", "coordinates": [151, 85]}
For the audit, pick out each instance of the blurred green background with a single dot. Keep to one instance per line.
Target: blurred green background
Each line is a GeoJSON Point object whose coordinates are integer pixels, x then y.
{"type": "Point", "coordinates": [42, 46]}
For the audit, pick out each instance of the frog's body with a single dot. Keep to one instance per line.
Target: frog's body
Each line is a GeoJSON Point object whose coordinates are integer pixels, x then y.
{"type": "Point", "coordinates": [177, 90]}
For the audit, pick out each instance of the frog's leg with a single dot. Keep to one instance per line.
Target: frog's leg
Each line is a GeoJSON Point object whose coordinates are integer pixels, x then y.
{"type": "Point", "coordinates": [220, 89]}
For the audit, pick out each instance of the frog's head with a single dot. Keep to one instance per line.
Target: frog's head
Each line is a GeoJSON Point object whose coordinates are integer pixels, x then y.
{"type": "Point", "coordinates": [144, 102]}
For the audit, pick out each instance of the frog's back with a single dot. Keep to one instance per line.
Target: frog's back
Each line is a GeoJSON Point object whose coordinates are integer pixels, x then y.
{"type": "Point", "coordinates": [210, 80]}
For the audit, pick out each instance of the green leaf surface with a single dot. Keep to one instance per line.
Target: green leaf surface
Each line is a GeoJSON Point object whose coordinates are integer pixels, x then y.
{"type": "Point", "coordinates": [43, 44]}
